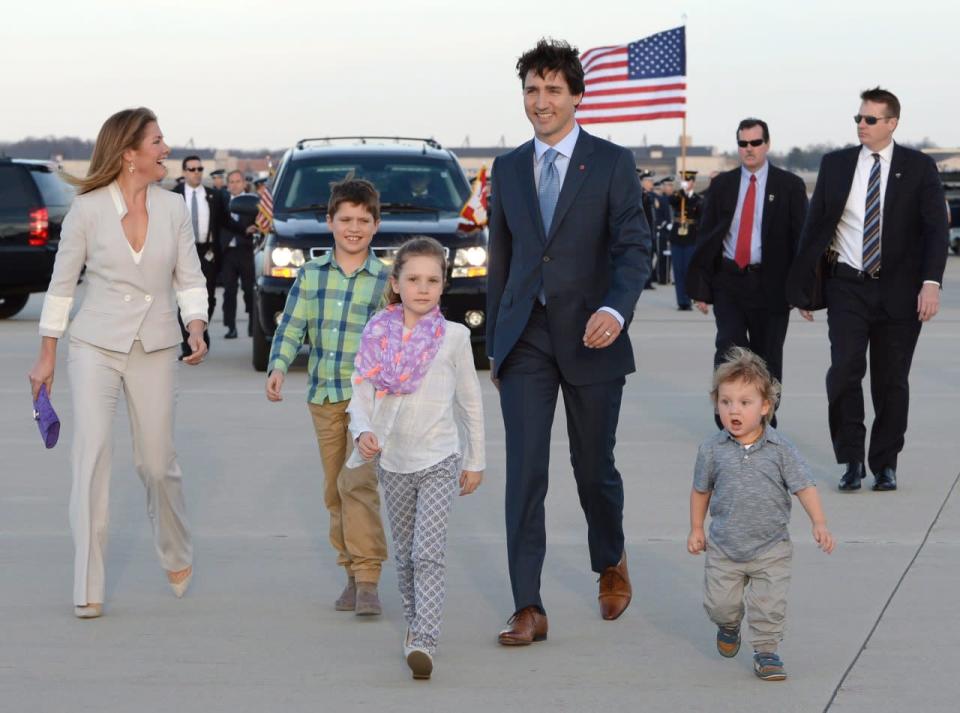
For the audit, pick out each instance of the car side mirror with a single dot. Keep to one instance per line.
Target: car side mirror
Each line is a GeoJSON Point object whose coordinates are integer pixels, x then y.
{"type": "Point", "coordinates": [246, 204]}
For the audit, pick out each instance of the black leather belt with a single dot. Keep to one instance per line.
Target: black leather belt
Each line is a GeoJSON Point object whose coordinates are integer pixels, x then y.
{"type": "Point", "coordinates": [843, 270]}
{"type": "Point", "coordinates": [728, 265]}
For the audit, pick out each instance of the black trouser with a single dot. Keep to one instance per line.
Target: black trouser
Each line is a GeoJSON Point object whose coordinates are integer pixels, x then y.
{"type": "Point", "coordinates": [529, 383]}
{"type": "Point", "coordinates": [663, 260]}
{"type": "Point", "coordinates": [237, 263]}
{"type": "Point", "coordinates": [209, 270]}
{"type": "Point", "coordinates": [856, 320]}
{"type": "Point", "coordinates": [744, 319]}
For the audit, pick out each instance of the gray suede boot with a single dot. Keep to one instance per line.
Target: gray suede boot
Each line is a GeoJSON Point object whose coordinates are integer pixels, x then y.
{"type": "Point", "coordinates": [368, 602]}
{"type": "Point", "coordinates": [347, 601]}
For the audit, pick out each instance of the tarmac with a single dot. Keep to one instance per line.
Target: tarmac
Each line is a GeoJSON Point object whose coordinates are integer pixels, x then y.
{"type": "Point", "coordinates": [872, 627]}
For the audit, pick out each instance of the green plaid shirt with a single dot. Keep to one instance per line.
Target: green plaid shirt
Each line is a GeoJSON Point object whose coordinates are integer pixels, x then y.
{"type": "Point", "coordinates": [331, 309]}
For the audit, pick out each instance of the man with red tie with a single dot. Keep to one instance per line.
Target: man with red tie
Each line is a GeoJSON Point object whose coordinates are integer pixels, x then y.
{"type": "Point", "coordinates": [748, 235]}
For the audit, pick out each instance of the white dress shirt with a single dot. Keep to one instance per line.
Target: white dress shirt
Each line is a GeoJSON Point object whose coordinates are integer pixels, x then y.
{"type": "Point", "coordinates": [848, 241]}
{"type": "Point", "coordinates": [564, 148]}
{"type": "Point", "coordinates": [418, 430]}
{"type": "Point", "coordinates": [730, 241]}
{"type": "Point", "coordinates": [203, 210]}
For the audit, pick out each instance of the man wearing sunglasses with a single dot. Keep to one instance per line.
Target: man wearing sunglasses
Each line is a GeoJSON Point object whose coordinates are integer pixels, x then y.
{"type": "Point", "coordinates": [873, 251]}
{"type": "Point", "coordinates": [205, 208]}
{"type": "Point", "coordinates": [749, 232]}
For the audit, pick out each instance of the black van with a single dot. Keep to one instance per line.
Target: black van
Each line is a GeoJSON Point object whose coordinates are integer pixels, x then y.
{"type": "Point", "coordinates": [33, 201]}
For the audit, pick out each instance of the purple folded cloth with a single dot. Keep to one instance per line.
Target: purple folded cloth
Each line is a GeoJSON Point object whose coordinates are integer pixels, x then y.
{"type": "Point", "coordinates": [46, 418]}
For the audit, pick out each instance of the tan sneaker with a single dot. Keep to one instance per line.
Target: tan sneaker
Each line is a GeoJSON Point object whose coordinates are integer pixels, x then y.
{"type": "Point", "coordinates": [368, 602]}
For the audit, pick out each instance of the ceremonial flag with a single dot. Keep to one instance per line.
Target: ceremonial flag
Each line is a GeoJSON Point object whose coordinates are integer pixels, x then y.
{"type": "Point", "coordinates": [474, 211]}
{"type": "Point", "coordinates": [639, 81]}
{"type": "Point", "coordinates": [264, 220]}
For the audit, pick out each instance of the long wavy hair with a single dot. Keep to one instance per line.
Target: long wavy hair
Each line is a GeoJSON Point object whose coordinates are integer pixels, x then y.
{"type": "Point", "coordinates": [124, 130]}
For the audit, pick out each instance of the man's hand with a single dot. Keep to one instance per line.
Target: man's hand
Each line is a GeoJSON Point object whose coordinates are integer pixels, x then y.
{"type": "Point", "coordinates": [928, 302]}
{"type": "Point", "coordinates": [702, 306]}
{"type": "Point", "coordinates": [368, 445]}
{"type": "Point", "coordinates": [274, 385]}
{"type": "Point", "coordinates": [697, 541]}
{"type": "Point", "coordinates": [198, 347]}
{"type": "Point", "coordinates": [602, 330]}
{"type": "Point", "coordinates": [470, 481]}
{"type": "Point", "coordinates": [806, 314]}
{"type": "Point", "coordinates": [251, 229]}
{"type": "Point", "coordinates": [493, 379]}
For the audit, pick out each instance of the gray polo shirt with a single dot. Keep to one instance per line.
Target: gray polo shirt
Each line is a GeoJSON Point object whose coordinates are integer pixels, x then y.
{"type": "Point", "coordinates": [751, 486]}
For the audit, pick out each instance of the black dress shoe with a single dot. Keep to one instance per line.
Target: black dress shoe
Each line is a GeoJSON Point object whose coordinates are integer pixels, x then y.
{"type": "Point", "coordinates": [685, 308]}
{"type": "Point", "coordinates": [231, 333]}
{"type": "Point", "coordinates": [851, 479]}
{"type": "Point", "coordinates": [886, 479]}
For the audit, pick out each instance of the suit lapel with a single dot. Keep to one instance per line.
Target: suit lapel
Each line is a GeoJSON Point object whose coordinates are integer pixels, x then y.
{"type": "Point", "coordinates": [893, 180]}
{"type": "Point", "coordinates": [769, 199]}
{"type": "Point", "coordinates": [845, 178]}
{"type": "Point", "coordinates": [528, 188]}
{"type": "Point", "coordinates": [577, 171]}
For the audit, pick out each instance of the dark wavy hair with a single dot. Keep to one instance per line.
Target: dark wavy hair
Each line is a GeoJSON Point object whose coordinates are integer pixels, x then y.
{"type": "Point", "coordinates": [553, 56]}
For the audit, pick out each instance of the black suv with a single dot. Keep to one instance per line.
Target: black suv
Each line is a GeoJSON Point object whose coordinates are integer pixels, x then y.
{"type": "Point", "coordinates": [33, 201]}
{"type": "Point", "coordinates": [422, 190]}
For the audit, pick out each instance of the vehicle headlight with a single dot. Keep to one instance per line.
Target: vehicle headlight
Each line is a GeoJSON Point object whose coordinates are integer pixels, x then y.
{"type": "Point", "coordinates": [284, 262]}
{"type": "Point", "coordinates": [470, 262]}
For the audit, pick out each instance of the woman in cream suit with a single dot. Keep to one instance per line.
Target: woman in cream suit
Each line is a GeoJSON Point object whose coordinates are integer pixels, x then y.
{"type": "Point", "coordinates": [136, 241]}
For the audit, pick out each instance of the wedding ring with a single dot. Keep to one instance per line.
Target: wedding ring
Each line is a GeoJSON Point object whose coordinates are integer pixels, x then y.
{"type": "Point", "coordinates": [608, 332]}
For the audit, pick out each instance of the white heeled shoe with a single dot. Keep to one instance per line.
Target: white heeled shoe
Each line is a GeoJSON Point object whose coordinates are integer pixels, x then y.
{"type": "Point", "coordinates": [88, 611]}
{"type": "Point", "coordinates": [180, 581]}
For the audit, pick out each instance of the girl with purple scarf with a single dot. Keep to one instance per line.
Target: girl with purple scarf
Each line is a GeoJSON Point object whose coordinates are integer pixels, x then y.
{"type": "Point", "coordinates": [415, 391]}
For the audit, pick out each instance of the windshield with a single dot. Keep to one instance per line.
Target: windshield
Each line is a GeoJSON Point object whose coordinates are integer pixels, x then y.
{"type": "Point", "coordinates": [405, 184]}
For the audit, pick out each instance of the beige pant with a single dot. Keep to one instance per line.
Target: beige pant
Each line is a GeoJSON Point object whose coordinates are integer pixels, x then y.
{"type": "Point", "coordinates": [148, 381]}
{"type": "Point", "coordinates": [765, 580]}
{"type": "Point", "coordinates": [350, 494]}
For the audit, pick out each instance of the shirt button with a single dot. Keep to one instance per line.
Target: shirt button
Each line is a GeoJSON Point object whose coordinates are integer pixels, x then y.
{"type": "Point", "coordinates": [334, 329]}
{"type": "Point", "coordinates": [127, 298]}
{"type": "Point", "coordinates": [147, 298]}
{"type": "Point", "coordinates": [546, 258]}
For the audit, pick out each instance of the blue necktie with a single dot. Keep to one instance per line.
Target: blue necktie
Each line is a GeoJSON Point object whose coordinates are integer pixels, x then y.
{"type": "Point", "coordinates": [548, 190]}
{"type": "Point", "coordinates": [194, 217]}
{"type": "Point", "coordinates": [871, 221]}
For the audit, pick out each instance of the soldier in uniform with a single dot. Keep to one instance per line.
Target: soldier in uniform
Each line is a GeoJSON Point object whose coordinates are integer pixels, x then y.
{"type": "Point", "coordinates": [650, 202]}
{"type": "Point", "coordinates": [687, 206]}
{"type": "Point", "coordinates": [219, 182]}
{"type": "Point", "coordinates": [664, 220]}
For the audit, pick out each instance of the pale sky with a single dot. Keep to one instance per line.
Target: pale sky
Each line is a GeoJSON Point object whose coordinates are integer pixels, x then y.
{"type": "Point", "coordinates": [264, 73]}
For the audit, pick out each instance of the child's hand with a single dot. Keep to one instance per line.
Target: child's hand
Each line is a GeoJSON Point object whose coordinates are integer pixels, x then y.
{"type": "Point", "coordinates": [470, 481]}
{"type": "Point", "coordinates": [368, 445]}
{"type": "Point", "coordinates": [697, 541]}
{"type": "Point", "coordinates": [823, 538]}
{"type": "Point", "coordinates": [274, 384]}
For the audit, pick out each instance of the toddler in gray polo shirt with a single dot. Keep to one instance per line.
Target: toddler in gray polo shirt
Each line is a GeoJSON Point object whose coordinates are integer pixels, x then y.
{"type": "Point", "coordinates": [746, 474]}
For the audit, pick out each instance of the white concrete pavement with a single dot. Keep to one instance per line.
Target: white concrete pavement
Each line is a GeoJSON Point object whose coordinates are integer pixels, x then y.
{"type": "Point", "coordinates": [257, 630]}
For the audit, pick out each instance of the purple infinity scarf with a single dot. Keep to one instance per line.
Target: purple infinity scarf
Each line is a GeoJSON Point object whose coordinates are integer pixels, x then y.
{"type": "Point", "coordinates": [392, 362]}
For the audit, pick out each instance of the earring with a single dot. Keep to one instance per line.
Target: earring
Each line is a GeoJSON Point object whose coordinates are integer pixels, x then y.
{"type": "Point", "coordinates": [131, 167]}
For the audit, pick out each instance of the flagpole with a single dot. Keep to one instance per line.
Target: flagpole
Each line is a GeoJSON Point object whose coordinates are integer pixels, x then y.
{"type": "Point", "coordinates": [682, 229]}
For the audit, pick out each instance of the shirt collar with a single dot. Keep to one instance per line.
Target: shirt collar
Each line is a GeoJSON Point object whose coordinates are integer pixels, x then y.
{"type": "Point", "coordinates": [119, 203]}
{"type": "Point", "coordinates": [372, 264]}
{"type": "Point", "coordinates": [769, 434]}
{"type": "Point", "coordinates": [886, 153]}
{"type": "Point", "coordinates": [564, 146]}
{"type": "Point", "coordinates": [198, 189]}
{"type": "Point", "coordinates": [761, 173]}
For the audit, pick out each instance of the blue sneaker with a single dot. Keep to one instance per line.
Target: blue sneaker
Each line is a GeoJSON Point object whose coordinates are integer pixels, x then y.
{"type": "Point", "coordinates": [768, 666]}
{"type": "Point", "coordinates": [728, 641]}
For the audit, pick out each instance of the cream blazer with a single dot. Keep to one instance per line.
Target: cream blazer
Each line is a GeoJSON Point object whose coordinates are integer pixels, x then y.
{"type": "Point", "coordinates": [124, 300]}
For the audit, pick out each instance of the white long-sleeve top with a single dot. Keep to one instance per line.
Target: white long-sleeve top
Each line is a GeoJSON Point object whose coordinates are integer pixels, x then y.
{"type": "Point", "coordinates": [420, 429]}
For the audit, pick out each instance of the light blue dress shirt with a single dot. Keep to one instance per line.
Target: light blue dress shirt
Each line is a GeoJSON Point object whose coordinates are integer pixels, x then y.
{"type": "Point", "coordinates": [730, 241]}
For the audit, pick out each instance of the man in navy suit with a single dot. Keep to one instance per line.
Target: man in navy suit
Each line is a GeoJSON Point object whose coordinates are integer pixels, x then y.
{"type": "Point", "coordinates": [872, 251]}
{"type": "Point", "coordinates": [569, 255]}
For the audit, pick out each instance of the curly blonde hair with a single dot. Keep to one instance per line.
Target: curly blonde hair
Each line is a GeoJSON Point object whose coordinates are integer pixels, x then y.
{"type": "Point", "coordinates": [740, 364]}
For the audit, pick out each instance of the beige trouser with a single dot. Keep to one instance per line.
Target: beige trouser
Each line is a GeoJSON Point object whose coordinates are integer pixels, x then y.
{"type": "Point", "coordinates": [350, 494]}
{"type": "Point", "coordinates": [148, 381]}
{"type": "Point", "coordinates": [765, 580]}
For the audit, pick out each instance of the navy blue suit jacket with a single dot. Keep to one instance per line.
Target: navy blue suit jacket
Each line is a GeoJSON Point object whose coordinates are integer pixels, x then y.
{"type": "Point", "coordinates": [597, 254]}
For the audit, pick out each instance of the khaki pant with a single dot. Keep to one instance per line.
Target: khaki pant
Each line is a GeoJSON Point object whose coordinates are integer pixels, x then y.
{"type": "Point", "coordinates": [350, 494]}
{"type": "Point", "coordinates": [765, 581]}
{"type": "Point", "coordinates": [149, 383]}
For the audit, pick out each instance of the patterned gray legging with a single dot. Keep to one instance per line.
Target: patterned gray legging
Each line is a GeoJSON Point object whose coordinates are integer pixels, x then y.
{"type": "Point", "coordinates": [418, 505]}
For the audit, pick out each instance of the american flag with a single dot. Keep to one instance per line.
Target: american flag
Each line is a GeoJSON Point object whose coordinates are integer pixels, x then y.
{"type": "Point", "coordinates": [639, 81]}
{"type": "Point", "coordinates": [264, 220]}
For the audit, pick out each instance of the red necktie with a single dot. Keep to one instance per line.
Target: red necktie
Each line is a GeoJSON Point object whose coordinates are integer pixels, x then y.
{"type": "Point", "coordinates": [744, 235]}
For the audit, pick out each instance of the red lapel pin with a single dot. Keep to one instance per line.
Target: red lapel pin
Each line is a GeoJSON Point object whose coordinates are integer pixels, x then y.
{"type": "Point", "coordinates": [582, 167]}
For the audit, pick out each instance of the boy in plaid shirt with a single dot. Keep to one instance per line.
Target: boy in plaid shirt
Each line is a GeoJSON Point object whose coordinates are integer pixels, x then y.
{"type": "Point", "coordinates": [330, 302]}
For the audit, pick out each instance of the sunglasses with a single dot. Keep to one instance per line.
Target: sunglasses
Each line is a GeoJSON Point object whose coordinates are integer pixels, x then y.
{"type": "Point", "coordinates": [195, 169]}
{"type": "Point", "coordinates": [753, 142]}
{"type": "Point", "coordinates": [871, 120]}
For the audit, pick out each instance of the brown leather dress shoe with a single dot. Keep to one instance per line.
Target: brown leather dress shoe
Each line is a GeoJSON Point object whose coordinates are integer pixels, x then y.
{"type": "Point", "coordinates": [615, 590]}
{"type": "Point", "coordinates": [524, 627]}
